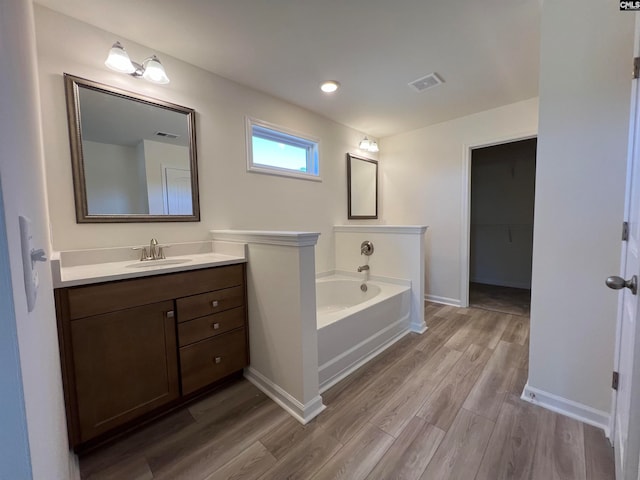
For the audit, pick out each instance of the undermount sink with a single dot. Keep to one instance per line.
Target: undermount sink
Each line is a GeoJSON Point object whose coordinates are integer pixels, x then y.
{"type": "Point", "coordinates": [159, 263]}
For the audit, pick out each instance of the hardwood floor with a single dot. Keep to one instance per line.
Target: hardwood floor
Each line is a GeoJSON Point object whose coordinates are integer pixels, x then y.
{"type": "Point", "coordinates": [516, 301]}
{"type": "Point", "coordinates": [439, 406]}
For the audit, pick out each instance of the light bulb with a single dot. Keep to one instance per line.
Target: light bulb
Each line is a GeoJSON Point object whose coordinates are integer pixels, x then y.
{"type": "Point", "coordinates": [118, 59]}
{"type": "Point", "coordinates": [154, 71]}
{"type": "Point", "coordinates": [364, 144]}
{"type": "Point", "coordinates": [330, 86]}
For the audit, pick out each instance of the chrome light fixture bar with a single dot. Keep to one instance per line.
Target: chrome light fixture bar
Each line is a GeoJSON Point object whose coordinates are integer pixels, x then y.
{"type": "Point", "coordinates": [369, 145]}
{"type": "Point", "coordinates": [150, 69]}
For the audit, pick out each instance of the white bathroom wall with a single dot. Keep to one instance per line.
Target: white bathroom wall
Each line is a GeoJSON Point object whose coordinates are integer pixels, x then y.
{"type": "Point", "coordinates": [230, 197]}
{"type": "Point", "coordinates": [422, 175]}
{"type": "Point", "coordinates": [23, 191]}
{"type": "Point", "coordinates": [585, 92]}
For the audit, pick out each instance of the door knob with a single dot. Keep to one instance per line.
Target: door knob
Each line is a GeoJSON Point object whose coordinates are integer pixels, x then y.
{"type": "Point", "coordinates": [617, 283]}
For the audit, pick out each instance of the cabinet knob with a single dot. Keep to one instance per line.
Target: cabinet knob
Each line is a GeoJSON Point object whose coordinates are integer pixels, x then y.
{"type": "Point", "coordinates": [214, 303]}
{"type": "Point", "coordinates": [215, 326]}
{"type": "Point", "coordinates": [217, 360]}
{"type": "Point", "coordinates": [170, 314]}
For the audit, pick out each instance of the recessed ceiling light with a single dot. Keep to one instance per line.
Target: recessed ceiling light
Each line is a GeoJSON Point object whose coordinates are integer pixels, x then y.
{"type": "Point", "coordinates": [329, 86]}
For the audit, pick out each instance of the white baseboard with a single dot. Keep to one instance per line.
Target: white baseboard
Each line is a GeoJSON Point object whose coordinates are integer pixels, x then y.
{"type": "Point", "coordinates": [566, 407]}
{"type": "Point", "coordinates": [330, 382]}
{"type": "Point", "coordinates": [454, 302]}
{"type": "Point", "coordinates": [419, 327]}
{"type": "Point", "coordinates": [304, 413]}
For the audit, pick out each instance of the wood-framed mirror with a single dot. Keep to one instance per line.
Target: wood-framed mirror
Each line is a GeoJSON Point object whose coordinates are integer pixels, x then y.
{"type": "Point", "coordinates": [133, 157]}
{"type": "Point", "coordinates": [362, 187]}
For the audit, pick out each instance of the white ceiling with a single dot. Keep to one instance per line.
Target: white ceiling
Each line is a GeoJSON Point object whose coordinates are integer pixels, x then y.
{"type": "Point", "coordinates": [486, 50]}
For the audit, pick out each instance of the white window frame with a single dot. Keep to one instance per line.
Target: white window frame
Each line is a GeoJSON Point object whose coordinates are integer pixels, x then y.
{"type": "Point", "coordinates": [311, 144]}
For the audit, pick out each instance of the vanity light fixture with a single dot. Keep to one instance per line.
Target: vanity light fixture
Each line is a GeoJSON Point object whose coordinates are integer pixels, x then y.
{"type": "Point", "coordinates": [150, 69]}
{"type": "Point", "coordinates": [369, 145]}
{"type": "Point", "coordinates": [330, 86]}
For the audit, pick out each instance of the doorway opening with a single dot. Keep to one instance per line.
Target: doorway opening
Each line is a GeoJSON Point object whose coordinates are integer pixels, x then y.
{"type": "Point", "coordinates": [501, 226]}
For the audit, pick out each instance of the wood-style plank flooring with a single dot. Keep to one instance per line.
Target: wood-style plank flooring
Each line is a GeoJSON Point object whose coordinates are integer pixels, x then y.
{"type": "Point", "coordinates": [443, 405]}
{"type": "Point", "coordinates": [514, 301]}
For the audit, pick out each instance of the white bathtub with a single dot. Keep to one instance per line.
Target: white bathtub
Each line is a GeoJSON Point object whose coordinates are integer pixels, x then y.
{"type": "Point", "coordinates": [355, 326]}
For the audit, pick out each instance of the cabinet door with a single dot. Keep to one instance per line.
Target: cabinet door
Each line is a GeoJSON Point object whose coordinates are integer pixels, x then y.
{"type": "Point", "coordinates": [125, 365]}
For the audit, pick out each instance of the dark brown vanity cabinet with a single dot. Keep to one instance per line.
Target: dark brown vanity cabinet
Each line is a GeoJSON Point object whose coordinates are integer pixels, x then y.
{"type": "Point", "coordinates": [132, 348]}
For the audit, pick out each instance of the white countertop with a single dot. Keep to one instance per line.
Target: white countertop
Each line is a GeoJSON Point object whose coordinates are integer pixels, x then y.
{"type": "Point", "coordinates": [85, 274]}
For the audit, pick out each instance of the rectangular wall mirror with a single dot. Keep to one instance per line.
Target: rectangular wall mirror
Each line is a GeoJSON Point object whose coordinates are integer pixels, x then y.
{"type": "Point", "coordinates": [362, 187]}
{"type": "Point", "coordinates": [133, 157]}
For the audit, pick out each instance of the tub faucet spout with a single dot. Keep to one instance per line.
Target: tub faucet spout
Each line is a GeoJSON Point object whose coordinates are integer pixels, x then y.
{"type": "Point", "coordinates": [362, 268]}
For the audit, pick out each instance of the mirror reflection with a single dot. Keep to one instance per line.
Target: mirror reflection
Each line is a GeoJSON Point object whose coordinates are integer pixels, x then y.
{"type": "Point", "coordinates": [362, 187]}
{"type": "Point", "coordinates": [133, 157]}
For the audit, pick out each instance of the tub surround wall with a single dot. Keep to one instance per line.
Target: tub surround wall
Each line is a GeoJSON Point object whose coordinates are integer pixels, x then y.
{"type": "Point", "coordinates": [221, 107]}
{"type": "Point", "coordinates": [399, 252]}
{"type": "Point", "coordinates": [282, 317]}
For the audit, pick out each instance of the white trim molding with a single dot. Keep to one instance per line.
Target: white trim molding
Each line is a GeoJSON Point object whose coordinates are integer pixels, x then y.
{"type": "Point", "coordinates": [404, 229]}
{"type": "Point", "coordinates": [289, 239]}
{"type": "Point", "coordinates": [566, 407]}
{"type": "Point", "coordinates": [454, 302]}
{"type": "Point", "coordinates": [303, 413]}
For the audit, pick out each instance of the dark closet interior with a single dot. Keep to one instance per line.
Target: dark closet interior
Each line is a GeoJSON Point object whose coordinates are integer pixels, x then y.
{"type": "Point", "coordinates": [502, 206]}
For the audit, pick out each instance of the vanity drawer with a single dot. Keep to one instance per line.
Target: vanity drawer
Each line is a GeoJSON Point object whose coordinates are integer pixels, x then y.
{"type": "Point", "coordinates": [209, 303]}
{"type": "Point", "coordinates": [110, 297]}
{"type": "Point", "coordinates": [210, 326]}
{"type": "Point", "coordinates": [205, 362]}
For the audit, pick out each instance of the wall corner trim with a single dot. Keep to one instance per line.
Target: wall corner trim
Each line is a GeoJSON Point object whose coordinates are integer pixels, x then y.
{"type": "Point", "coordinates": [303, 413]}
{"type": "Point", "coordinates": [290, 239]}
{"type": "Point", "coordinates": [568, 408]}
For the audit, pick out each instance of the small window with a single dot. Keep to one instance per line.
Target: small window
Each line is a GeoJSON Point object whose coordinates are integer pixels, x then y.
{"type": "Point", "coordinates": [279, 151]}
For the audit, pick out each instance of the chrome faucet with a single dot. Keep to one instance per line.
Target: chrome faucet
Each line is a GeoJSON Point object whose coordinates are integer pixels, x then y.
{"type": "Point", "coordinates": [362, 268]}
{"type": "Point", "coordinates": [155, 252]}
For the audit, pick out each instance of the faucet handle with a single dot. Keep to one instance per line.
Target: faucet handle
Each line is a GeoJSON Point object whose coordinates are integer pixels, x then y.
{"type": "Point", "coordinates": [143, 253]}
{"type": "Point", "coordinates": [161, 248]}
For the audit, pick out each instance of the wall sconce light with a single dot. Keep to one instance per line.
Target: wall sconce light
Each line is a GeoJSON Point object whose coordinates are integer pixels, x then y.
{"type": "Point", "coordinates": [369, 145]}
{"type": "Point", "coordinates": [150, 69]}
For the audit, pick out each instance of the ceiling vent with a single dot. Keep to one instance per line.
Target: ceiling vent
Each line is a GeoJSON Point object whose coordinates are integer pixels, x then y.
{"type": "Point", "coordinates": [425, 83]}
{"type": "Point", "coordinates": [167, 135]}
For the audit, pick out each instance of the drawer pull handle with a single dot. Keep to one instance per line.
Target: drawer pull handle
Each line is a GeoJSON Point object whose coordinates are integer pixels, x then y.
{"type": "Point", "coordinates": [215, 326]}
{"type": "Point", "coordinates": [214, 304]}
{"type": "Point", "coordinates": [170, 314]}
{"type": "Point", "coordinates": [217, 360]}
